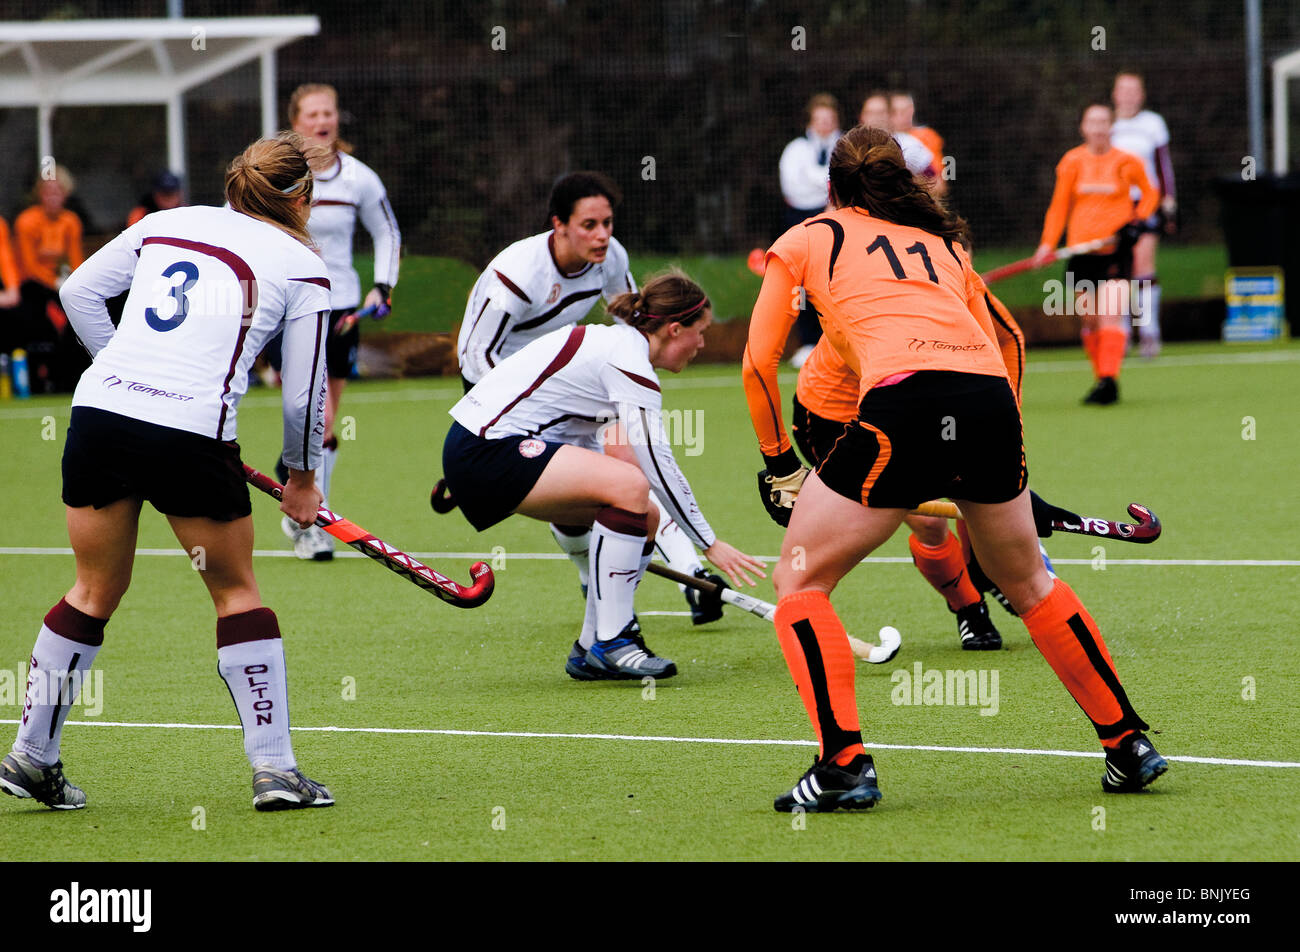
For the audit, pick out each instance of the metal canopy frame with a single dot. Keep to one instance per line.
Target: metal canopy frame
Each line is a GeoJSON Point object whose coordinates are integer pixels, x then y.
{"type": "Point", "coordinates": [45, 65]}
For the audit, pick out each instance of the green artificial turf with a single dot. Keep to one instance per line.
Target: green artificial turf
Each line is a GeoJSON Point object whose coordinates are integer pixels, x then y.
{"type": "Point", "coordinates": [1188, 641]}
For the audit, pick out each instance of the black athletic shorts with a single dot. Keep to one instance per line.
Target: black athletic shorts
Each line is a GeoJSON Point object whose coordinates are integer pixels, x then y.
{"type": "Point", "coordinates": [937, 434]}
{"type": "Point", "coordinates": [488, 479]}
{"type": "Point", "coordinates": [340, 349]}
{"type": "Point", "coordinates": [1097, 268]}
{"type": "Point", "coordinates": [108, 457]}
{"type": "Point", "coordinates": [813, 434]}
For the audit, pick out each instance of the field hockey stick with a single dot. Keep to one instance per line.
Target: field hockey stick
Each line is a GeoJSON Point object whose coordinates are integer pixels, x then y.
{"type": "Point", "coordinates": [376, 311]}
{"type": "Point", "coordinates": [1032, 264]}
{"type": "Point", "coordinates": [1049, 518]}
{"type": "Point", "coordinates": [478, 592]}
{"type": "Point", "coordinates": [876, 654]}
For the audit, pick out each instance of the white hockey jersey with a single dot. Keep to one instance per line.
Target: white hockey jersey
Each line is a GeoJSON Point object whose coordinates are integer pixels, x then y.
{"type": "Point", "coordinates": [523, 295]}
{"type": "Point", "coordinates": [566, 386]}
{"type": "Point", "coordinates": [208, 288]}
{"type": "Point", "coordinates": [340, 196]}
{"type": "Point", "coordinates": [1143, 135]}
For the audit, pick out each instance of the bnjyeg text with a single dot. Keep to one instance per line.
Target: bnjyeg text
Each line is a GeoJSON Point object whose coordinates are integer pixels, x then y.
{"type": "Point", "coordinates": [77, 905]}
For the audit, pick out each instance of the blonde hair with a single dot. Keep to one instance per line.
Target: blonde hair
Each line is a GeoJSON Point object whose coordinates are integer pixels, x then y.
{"type": "Point", "coordinates": [62, 176]}
{"type": "Point", "coordinates": [667, 298]}
{"type": "Point", "coordinates": [309, 89]}
{"type": "Point", "coordinates": [267, 180]}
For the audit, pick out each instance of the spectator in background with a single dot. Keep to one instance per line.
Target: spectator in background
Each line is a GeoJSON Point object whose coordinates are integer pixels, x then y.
{"type": "Point", "coordinates": [164, 192]}
{"type": "Point", "coordinates": [9, 293]}
{"type": "Point", "coordinates": [1143, 133]}
{"type": "Point", "coordinates": [920, 161]}
{"type": "Point", "coordinates": [804, 167]}
{"type": "Point", "coordinates": [48, 247]}
{"type": "Point", "coordinates": [902, 110]}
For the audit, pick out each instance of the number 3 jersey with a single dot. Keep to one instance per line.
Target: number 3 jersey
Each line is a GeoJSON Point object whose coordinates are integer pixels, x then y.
{"type": "Point", "coordinates": [208, 287]}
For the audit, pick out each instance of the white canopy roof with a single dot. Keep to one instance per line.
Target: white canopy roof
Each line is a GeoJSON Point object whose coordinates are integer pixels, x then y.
{"type": "Point", "coordinates": [1284, 68]}
{"type": "Point", "coordinates": [47, 64]}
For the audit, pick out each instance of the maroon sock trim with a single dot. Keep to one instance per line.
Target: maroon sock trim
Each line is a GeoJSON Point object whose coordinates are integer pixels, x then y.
{"type": "Point", "coordinates": [75, 625]}
{"type": "Point", "coordinates": [571, 531]}
{"type": "Point", "coordinates": [257, 624]}
{"type": "Point", "coordinates": [622, 520]}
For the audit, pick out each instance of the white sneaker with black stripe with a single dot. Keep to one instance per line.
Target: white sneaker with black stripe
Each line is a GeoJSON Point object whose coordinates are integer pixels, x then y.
{"type": "Point", "coordinates": [828, 786]}
{"type": "Point", "coordinates": [312, 544]}
{"type": "Point", "coordinates": [626, 656]}
{"type": "Point", "coordinates": [286, 790]}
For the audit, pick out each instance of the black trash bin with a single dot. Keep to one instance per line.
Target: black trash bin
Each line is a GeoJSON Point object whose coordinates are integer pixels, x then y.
{"type": "Point", "coordinates": [1261, 222]}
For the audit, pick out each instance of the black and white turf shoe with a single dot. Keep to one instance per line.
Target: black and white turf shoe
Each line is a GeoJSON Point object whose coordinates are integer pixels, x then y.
{"type": "Point", "coordinates": [1132, 765]}
{"type": "Point", "coordinates": [976, 628]}
{"type": "Point", "coordinates": [286, 790]}
{"type": "Point", "coordinates": [19, 777]}
{"type": "Point", "coordinates": [626, 656]}
{"type": "Point", "coordinates": [827, 786]}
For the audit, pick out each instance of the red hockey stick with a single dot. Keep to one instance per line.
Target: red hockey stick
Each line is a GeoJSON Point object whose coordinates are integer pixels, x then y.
{"type": "Point", "coordinates": [398, 561]}
{"type": "Point", "coordinates": [1030, 264]}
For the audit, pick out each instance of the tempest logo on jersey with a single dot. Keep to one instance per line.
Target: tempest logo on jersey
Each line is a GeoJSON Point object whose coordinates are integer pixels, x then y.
{"type": "Point", "coordinates": [74, 905]}
{"type": "Point", "coordinates": [148, 390]}
{"type": "Point", "coordinates": [915, 344]}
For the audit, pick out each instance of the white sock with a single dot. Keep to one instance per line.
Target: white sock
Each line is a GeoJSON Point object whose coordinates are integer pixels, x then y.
{"type": "Point", "coordinates": [59, 666]}
{"type": "Point", "coordinates": [677, 551]}
{"type": "Point", "coordinates": [587, 637]}
{"type": "Point", "coordinates": [1147, 307]}
{"type": "Point", "coordinates": [254, 672]}
{"type": "Point", "coordinates": [615, 568]}
{"type": "Point", "coordinates": [577, 548]}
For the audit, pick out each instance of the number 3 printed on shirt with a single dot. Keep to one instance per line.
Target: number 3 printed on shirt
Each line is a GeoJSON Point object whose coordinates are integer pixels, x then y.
{"type": "Point", "coordinates": [178, 292]}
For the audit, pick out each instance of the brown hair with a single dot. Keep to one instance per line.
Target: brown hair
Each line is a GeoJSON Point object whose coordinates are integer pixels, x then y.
{"type": "Point", "coordinates": [266, 180]}
{"type": "Point", "coordinates": [867, 171]}
{"type": "Point", "coordinates": [821, 101]}
{"type": "Point", "coordinates": [667, 298]}
{"type": "Point", "coordinates": [308, 89]}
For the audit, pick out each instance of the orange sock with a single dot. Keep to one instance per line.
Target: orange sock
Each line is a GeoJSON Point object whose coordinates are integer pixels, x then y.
{"type": "Point", "coordinates": [1068, 638]}
{"type": "Point", "coordinates": [1089, 338]}
{"type": "Point", "coordinates": [1111, 344]}
{"type": "Point", "coordinates": [817, 652]}
{"type": "Point", "coordinates": [944, 567]}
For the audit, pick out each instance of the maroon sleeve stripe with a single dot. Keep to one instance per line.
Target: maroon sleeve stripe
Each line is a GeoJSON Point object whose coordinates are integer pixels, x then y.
{"type": "Point", "coordinates": [321, 282]}
{"type": "Point", "coordinates": [565, 355]}
{"type": "Point", "coordinates": [332, 201]}
{"type": "Point", "coordinates": [514, 288]}
{"type": "Point", "coordinates": [637, 378]}
{"type": "Point", "coordinates": [492, 345]}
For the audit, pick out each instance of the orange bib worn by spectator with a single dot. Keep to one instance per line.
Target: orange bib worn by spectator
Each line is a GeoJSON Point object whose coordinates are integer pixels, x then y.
{"type": "Point", "coordinates": [43, 243]}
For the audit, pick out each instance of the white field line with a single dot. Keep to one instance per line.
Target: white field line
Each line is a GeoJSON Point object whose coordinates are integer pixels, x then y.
{"type": "Point", "coordinates": [667, 739]}
{"type": "Point", "coordinates": [771, 559]}
{"type": "Point", "coordinates": [447, 391]}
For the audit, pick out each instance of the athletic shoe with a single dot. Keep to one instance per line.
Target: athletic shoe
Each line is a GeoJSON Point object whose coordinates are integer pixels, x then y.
{"type": "Point", "coordinates": [626, 656]}
{"type": "Point", "coordinates": [706, 606]}
{"type": "Point", "coordinates": [1103, 393]}
{"type": "Point", "coordinates": [310, 544]}
{"type": "Point", "coordinates": [577, 668]}
{"type": "Point", "coordinates": [976, 629]}
{"type": "Point", "coordinates": [827, 786]}
{"type": "Point", "coordinates": [1149, 345]}
{"type": "Point", "coordinates": [1132, 765]}
{"type": "Point", "coordinates": [19, 777]}
{"type": "Point", "coordinates": [286, 790]}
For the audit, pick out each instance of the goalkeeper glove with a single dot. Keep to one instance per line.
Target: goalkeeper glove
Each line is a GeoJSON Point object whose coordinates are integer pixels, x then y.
{"type": "Point", "coordinates": [779, 492]}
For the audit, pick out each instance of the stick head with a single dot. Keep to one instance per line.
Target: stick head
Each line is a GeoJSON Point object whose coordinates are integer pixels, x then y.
{"type": "Point", "coordinates": [440, 499]}
{"type": "Point", "coordinates": [1147, 528]}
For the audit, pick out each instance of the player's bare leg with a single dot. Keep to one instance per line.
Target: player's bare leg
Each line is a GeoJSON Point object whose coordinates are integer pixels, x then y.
{"type": "Point", "coordinates": [1146, 294]}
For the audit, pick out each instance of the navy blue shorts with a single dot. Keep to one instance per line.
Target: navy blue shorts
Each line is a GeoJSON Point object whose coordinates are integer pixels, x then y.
{"type": "Point", "coordinates": [108, 457]}
{"type": "Point", "coordinates": [490, 478]}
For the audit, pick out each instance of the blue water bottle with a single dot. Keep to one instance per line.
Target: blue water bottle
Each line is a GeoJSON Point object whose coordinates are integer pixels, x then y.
{"type": "Point", "coordinates": [22, 383]}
